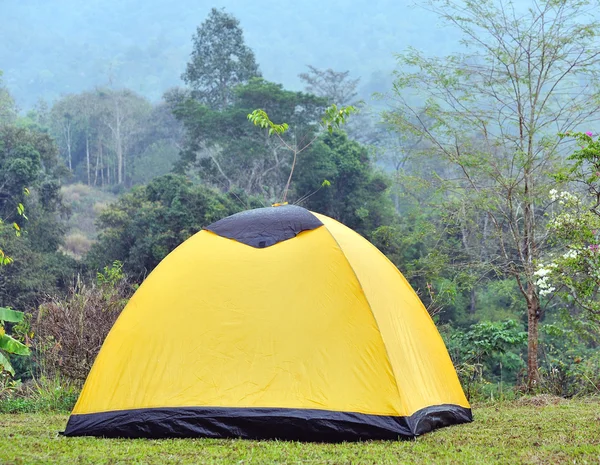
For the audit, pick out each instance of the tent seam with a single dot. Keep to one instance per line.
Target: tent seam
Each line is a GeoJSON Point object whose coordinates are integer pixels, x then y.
{"type": "Point", "coordinates": [387, 354]}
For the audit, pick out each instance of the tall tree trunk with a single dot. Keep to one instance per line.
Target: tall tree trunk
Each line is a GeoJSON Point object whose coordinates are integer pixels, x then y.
{"type": "Point", "coordinates": [119, 167]}
{"type": "Point", "coordinates": [473, 304]}
{"type": "Point", "coordinates": [67, 129]}
{"type": "Point", "coordinates": [125, 167]}
{"type": "Point", "coordinates": [101, 154]}
{"type": "Point", "coordinates": [533, 319]}
{"type": "Point", "coordinates": [87, 157]}
{"type": "Point", "coordinates": [530, 254]}
{"type": "Point", "coordinates": [118, 143]}
{"type": "Point", "coordinates": [96, 168]}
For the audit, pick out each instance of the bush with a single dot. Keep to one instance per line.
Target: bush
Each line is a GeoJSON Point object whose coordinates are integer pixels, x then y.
{"type": "Point", "coordinates": [581, 377]}
{"type": "Point", "coordinates": [46, 395]}
{"type": "Point", "coordinates": [70, 331]}
{"type": "Point", "coordinates": [77, 245]}
{"type": "Point", "coordinates": [571, 361]}
{"type": "Point", "coordinates": [487, 356]}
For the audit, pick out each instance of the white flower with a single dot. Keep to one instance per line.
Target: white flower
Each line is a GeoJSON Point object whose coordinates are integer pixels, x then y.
{"type": "Point", "coordinates": [547, 291]}
{"type": "Point", "coordinates": [570, 254]}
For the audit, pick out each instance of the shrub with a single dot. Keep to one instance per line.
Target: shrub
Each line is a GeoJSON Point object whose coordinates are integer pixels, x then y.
{"type": "Point", "coordinates": [77, 245]}
{"type": "Point", "coordinates": [44, 395]}
{"type": "Point", "coordinates": [486, 356]}
{"type": "Point", "coordinates": [69, 331]}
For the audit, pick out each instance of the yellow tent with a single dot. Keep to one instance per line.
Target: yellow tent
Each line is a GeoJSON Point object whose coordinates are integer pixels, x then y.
{"type": "Point", "coordinates": [272, 323]}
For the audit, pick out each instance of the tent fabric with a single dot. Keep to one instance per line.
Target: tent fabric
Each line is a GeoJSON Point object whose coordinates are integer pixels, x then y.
{"type": "Point", "coordinates": [315, 337]}
{"type": "Point", "coordinates": [263, 423]}
{"type": "Point", "coordinates": [264, 227]}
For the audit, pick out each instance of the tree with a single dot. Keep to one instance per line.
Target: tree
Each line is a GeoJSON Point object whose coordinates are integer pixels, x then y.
{"type": "Point", "coordinates": [220, 60]}
{"type": "Point", "coordinates": [335, 86]}
{"type": "Point", "coordinates": [8, 110]}
{"type": "Point", "coordinates": [64, 116]}
{"type": "Point", "coordinates": [495, 113]}
{"type": "Point", "coordinates": [573, 274]}
{"type": "Point", "coordinates": [332, 119]}
{"type": "Point", "coordinates": [29, 163]}
{"type": "Point", "coordinates": [101, 133]}
{"type": "Point", "coordinates": [148, 222]}
{"type": "Point", "coordinates": [355, 193]}
{"type": "Point", "coordinates": [224, 151]}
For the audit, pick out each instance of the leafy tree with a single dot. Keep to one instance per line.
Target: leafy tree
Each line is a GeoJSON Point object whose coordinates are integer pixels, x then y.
{"type": "Point", "coordinates": [29, 163]}
{"type": "Point", "coordinates": [338, 88]}
{"type": "Point", "coordinates": [412, 242]}
{"type": "Point", "coordinates": [104, 135]}
{"type": "Point", "coordinates": [573, 273]}
{"type": "Point", "coordinates": [331, 120]}
{"type": "Point", "coordinates": [65, 117]}
{"type": "Point", "coordinates": [224, 151]}
{"type": "Point", "coordinates": [335, 86]}
{"type": "Point", "coordinates": [8, 111]}
{"type": "Point", "coordinates": [355, 193]}
{"type": "Point", "coordinates": [122, 114]}
{"type": "Point", "coordinates": [220, 60]}
{"type": "Point", "coordinates": [159, 144]}
{"type": "Point", "coordinates": [487, 349]}
{"type": "Point", "coordinates": [148, 222]}
{"type": "Point", "coordinates": [495, 113]}
{"type": "Point", "coordinates": [27, 158]}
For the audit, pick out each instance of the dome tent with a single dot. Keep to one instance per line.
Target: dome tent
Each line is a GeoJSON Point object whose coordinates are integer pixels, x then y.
{"type": "Point", "coordinates": [272, 323]}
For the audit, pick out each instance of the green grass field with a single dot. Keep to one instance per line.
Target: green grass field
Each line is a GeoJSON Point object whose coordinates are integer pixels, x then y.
{"type": "Point", "coordinates": [531, 431]}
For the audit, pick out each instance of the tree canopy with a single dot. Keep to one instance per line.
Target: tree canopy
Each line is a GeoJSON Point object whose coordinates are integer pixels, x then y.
{"type": "Point", "coordinates": [220, 60]}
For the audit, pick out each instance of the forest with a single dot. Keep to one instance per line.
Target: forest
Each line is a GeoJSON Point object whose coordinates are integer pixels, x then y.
{"type": "Point", "coordinates": [477, 173]}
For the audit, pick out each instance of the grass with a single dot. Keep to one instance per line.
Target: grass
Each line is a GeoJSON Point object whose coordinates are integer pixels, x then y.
{"type": "Point", "coordinates": [529, 431]}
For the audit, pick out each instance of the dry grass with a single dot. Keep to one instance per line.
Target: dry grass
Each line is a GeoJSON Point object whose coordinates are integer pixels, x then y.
{"type": "Point", "coordinates": [85, 203]}
{"type": "Point", "coordinates": [77, 245]}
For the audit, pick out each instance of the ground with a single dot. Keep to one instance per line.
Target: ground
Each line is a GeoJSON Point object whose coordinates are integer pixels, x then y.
{"type": "Point", "coordinates": [530, 431]}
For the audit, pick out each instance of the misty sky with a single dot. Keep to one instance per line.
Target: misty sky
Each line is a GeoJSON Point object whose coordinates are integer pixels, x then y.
{"type": "Point", "coordinates": [50, 48]}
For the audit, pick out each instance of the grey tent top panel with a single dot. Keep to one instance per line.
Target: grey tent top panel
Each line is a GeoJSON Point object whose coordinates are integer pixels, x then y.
{"type": "Point", "coordinates": [264, 227]}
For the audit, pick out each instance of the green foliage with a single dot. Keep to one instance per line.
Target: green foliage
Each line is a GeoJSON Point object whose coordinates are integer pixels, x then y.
{"type": "Point", "coordinates": [571, 363]}
{"type": "Point", "coordinates": [487, 351]}
{"type": "Point", "coordinates": [332, 119]}
{"type": "Point", "coordinates": [220, 60]}
{"type": "Point", "coordinates": [156, 159]}
{"type": "Point", "coordinates": [8, 111]}
{"type": "Point", "coordinates": [48, 395]}
{"type": "Point", "coordinates": [495, 144]}
{"type": "Point", "coordinates": [261, 119]}
{"type": "Point", "coordinates": [103, 135]}
{"type": "Point", "coordinates": [336, 117]}
{"type": "Point", "coordinates": [144, 225]}
{"type": "Point", "coordinates": [28, 157]}
{"type": "Point", "coordinates": [357, 195]}
{"type": "Point", "coordinates": [111, 275]}
{"type": "Point", "coordinates": [9, 345]}
{"type": "Point", "coordinates": [572, 273]}
{"type": "Point", "coordinates": [227, 153]}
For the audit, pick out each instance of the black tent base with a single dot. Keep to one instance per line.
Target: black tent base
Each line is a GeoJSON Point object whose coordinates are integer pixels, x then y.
{"type": "Point", "coordinates": [263, 423]}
